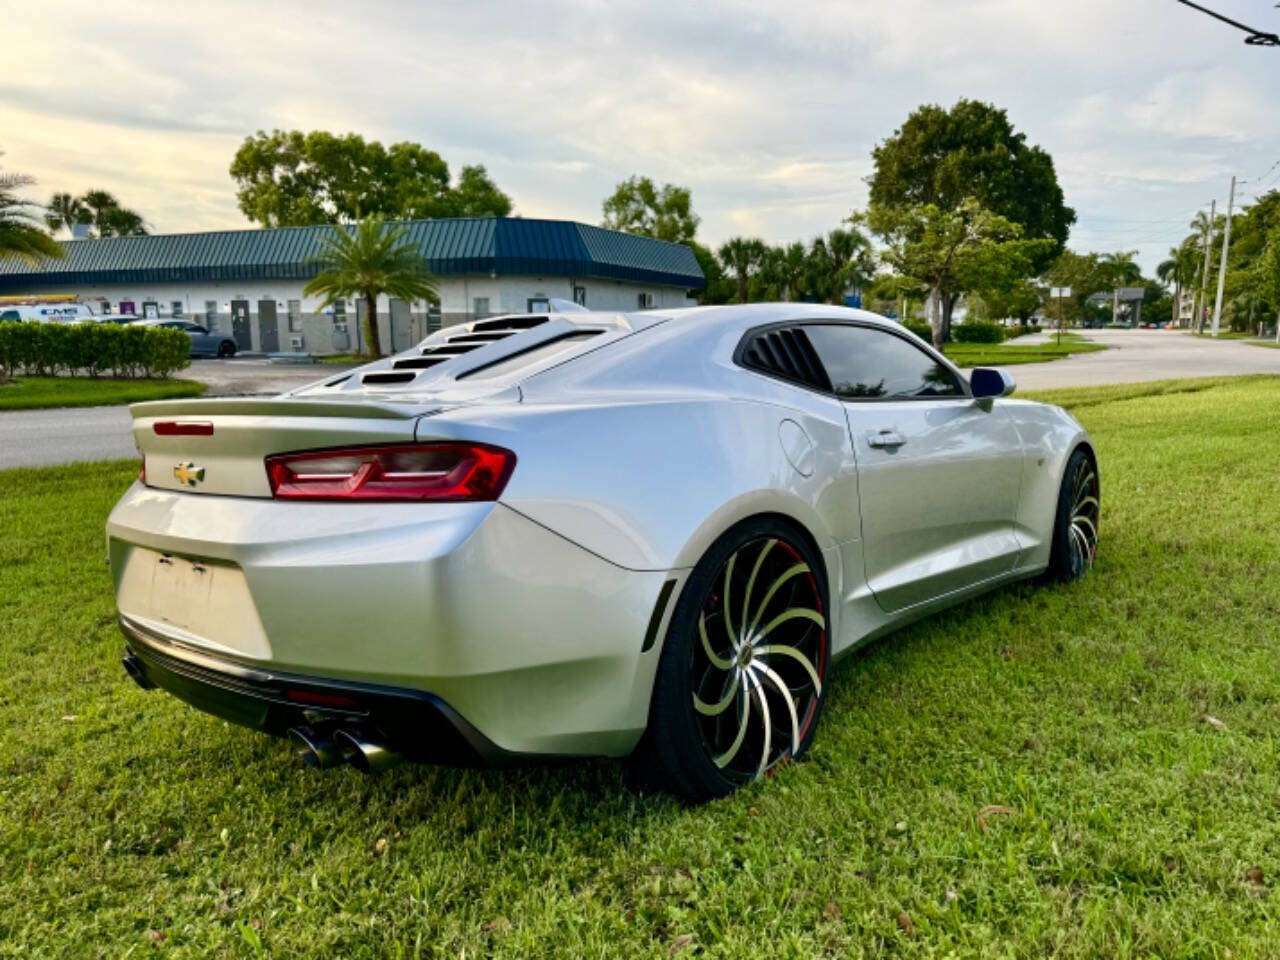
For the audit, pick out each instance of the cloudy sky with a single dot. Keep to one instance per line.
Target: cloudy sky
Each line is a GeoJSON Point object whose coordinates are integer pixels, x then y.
{"type": "Point", "coordinates": [767, 110]}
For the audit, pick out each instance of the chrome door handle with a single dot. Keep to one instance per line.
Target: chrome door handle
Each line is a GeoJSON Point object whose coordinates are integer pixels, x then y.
{"type": "Point", "coordinates": [886, 438]}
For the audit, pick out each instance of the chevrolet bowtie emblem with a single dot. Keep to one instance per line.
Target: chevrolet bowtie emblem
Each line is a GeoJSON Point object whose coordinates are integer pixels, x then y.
{"type": "Point", "coordinates": [188, 473]}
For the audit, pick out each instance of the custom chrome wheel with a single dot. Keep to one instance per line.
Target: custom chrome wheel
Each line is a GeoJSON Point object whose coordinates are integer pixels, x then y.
{"type": "Point", "coordinates": [1083, 528]}
{"type": "Point", "coordinates": [743, 672]}
{"type": "Point", "coordinates": [1075, 532]}
{"type": "Point", "coordinates": [759, 661]}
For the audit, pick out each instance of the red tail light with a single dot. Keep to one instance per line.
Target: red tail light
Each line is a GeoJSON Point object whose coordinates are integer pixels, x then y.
{"type": "Point", "coordinates": [421, 471]}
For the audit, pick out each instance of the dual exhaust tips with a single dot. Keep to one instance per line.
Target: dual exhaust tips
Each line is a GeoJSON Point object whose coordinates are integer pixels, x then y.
{"type": "Point", "coordinates": [364, 750]}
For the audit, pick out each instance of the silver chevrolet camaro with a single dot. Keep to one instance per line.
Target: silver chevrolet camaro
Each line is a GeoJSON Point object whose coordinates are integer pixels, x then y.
{"type": "Point", "coordinates": [579, 533]}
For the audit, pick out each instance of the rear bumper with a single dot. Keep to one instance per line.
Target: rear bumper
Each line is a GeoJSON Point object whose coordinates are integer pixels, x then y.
{"type": "Point", "coordinates": [418, 725]}
{"type": "Point", "coordinates": [535, 641]}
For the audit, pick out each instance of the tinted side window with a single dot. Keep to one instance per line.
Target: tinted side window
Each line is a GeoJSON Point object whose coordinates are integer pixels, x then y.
{"type": "Point", "coordinates": [863, 362]}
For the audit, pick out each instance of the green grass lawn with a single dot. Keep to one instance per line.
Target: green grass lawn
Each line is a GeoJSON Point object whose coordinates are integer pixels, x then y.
{"type": "Point", "coordinates": [31, 393]}
{"type": "Point", "coordinates": [1128, 723]}
{"type": "Point", "coordinates": [1003, 355]}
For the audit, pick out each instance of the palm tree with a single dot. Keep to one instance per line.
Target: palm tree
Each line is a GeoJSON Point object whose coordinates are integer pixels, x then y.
{"type": "Point", "coordinates": [121, 222]}
{"type": "Point", "coordinates": [742, 257]}
{"type": "Point", "coordinates": [65, 210]}
{"type": "Point", "coordinates": [109, 219]}
{"type": "Point", "coordinates": [373, 258]}
{"type": "Point", "coordinates": [1122, 267]}
{"type": "Point", "coordinates": [791, 266]}
{"type": "Point", "coordinates": [21, 235]}
{"type": "Point", "coordinates": [839, 262]}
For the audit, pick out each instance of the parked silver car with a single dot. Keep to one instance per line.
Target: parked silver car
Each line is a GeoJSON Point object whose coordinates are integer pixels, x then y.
{"type": "Point", "coordinates": [585, 534]}
{"type": "Point", "coordinates": [204, 342]}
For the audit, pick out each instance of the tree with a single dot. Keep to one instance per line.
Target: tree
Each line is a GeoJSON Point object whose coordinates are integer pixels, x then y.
{"type": "Point", "coordinates": [784, 272]}
{"type": "Point", "coordinates": [1121, 268]}
{"type": "Point", "coordinates": [21, 234]}
{"type": "Point", "coordinates": [944, 158]}
{"type": "Point", "coordinates": [292, 178]}
{"type": "Point", "coordinates": [664, 213]}
{"type": "Point", "coordinates": [100, 210]}
{"type": "Point", "coordinates": [719, 288]}
{"type": "Point", "coordinates": [950, 252]}
{"type": "Point", "coordinates": [838, 262]}
{"type": "Point", "coordinates": [65, 210]}
{"type": "Point", "coordinates": [742, 257]}
{"type": "Point", "coordinates": [370, 259]}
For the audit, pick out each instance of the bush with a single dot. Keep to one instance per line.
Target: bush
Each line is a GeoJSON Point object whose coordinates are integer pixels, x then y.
{"type": "Point", "coordinates": [89, 349]}
{"type": "Point", "coordinates": [977, 333]}
{"type": "Point", "coordinates": [921, 330]}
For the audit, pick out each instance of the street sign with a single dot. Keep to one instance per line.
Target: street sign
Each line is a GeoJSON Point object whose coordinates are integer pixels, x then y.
{"type": "Point", "coordinates": [1060, 292]}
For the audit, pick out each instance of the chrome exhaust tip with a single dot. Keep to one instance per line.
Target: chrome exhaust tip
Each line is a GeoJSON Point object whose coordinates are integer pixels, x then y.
{"type": "Point", "coordinates": [133, 667]}
{"type": "Point", "coordinates": [315, 747]}
{"type": "Point", "coordinates": [365, 752]}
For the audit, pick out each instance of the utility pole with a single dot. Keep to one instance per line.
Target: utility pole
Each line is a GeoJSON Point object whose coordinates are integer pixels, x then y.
{"type": "Point", "coordinates": [1222, 264]}
{"type": "Point", "coordinates": [1201, 300]}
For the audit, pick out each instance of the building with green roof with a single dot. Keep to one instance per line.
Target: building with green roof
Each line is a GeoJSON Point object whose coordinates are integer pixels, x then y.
{"type": "Point", "coordinates": [249, 282]}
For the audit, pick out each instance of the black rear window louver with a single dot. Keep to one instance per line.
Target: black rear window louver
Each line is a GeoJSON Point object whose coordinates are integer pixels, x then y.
{"type": "Point", "coordinates": [509, 323]}
{"type": "Point", "coordinates": [418, 363]}
{"type": "Point", "coordinates": [388, 377]}
{"type": "Point", "coordinates": [788, 354]}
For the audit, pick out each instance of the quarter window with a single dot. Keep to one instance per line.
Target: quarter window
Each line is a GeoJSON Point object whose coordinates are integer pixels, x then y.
{"type": "Point", "coordinates": [866, 363]}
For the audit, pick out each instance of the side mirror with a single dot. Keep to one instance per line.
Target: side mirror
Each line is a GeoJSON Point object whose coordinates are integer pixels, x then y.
{"type": "Point", "coordinates": [987, 383]}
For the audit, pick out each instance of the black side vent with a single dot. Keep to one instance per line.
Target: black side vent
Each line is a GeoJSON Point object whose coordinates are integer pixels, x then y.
{"type": "Point", "coordinates": [389, 377]}
{"type": "Point", "coordinates": [419, 363]}
{"type": "Point", "coordinates": [509, 323]}
{"type": "Point", "coordinates": [342, 379]}
{"type": "Point", "coordinates": [787, 353]}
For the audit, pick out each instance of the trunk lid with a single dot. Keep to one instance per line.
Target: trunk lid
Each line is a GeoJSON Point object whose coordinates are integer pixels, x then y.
{"type": "Point", "coordinates": [220, 446]}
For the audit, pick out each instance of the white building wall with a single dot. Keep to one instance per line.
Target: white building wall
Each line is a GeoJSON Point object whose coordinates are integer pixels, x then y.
{"type": "Point", "coordinates": [320, 334]}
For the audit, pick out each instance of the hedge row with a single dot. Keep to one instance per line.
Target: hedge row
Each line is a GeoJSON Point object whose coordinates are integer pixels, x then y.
{"type": "Point", "coordinates": [1021, 330]}
{"type": "Point", "coordinates": [972, 332]}
{"type": "Point", "coordinates": [921, 330]}
{"type": "Point", "coordinates": [91, 349]}
{"type": "Point", "coordinates": [977, 333]}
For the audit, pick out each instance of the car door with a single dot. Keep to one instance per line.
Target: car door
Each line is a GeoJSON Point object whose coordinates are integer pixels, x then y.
{"type": "Point", "coordinates": [202, 341]}
{"type": "Point", "coordinates": [938, 472]}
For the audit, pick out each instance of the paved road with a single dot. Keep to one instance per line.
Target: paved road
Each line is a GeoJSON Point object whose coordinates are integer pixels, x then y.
{"type": "Point", "coordinates": [39, 437]}
{"type": "Point", "coordinates": [35, 438]}
{"type": "Point", "coordinates": [1137, 355]}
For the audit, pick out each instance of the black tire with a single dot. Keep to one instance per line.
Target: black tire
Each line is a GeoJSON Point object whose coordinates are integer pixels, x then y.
{"type": "Point", "coordinates": [1075, 528]}
{"type": "Point", "coordinates": [227, 348]}
{"type": "Point", "coordinates": [775, 694]}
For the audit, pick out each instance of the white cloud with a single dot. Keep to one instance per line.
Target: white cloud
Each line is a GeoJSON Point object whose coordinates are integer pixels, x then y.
{"type": "Point", "coordinates": [767, 111]}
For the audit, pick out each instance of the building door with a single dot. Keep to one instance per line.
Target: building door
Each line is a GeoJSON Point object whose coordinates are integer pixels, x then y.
{"type": "Point", "coordinates": [401, 326]}
{"type": "Point", "coordinates": [240, 329]}
{"type": "Point", "coordinates": [268, 331]}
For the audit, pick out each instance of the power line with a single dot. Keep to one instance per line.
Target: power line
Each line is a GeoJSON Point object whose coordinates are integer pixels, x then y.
{"type": "Point", "coordinates": [1256, 38]}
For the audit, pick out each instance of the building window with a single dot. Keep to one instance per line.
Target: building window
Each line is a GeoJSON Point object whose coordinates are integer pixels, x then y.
{"type": "Point", "coordinates": [127, 308]}
{"type": "Point", "coordinates": [106, 308]}
{"type": "Point", "coordinates": [481, 307]}
{"type": "Point", "coordinates": [210, 313]}
{"type": "Point", "coordinates": [339, 313]}
{"type": "Point", "coordinates": [644, 301]}
{"type": "Point", "coordinates": [150, 310]}
{"type": "Point", "coordinates": [295, 316]}
{"type": "Point", "coordinates": [539, 305]}
{"type": "Point", "coordinates": [177, 309]}
{"type": "Point", "coordinates": [580, 296]}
